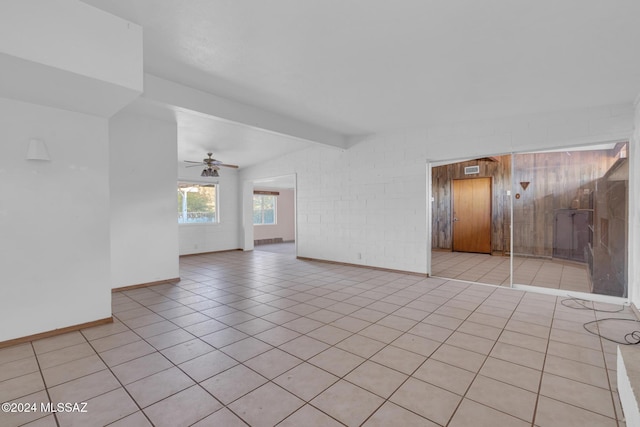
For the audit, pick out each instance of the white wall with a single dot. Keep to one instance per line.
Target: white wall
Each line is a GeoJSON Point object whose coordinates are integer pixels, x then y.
{"type": "Point", "coordinates": [368, 205]}
{"type": "Point", "coordinates": [69, 55]}
{"type": "Point", "coordinates": [199, 238]}
{"type": "Point", "coordinates": [54, 220]}
{"type": "Point", "coordinates": [246, 215]}
{"type": "Point", "coordinates": [144, 230]}
{"type": "Point", "coordinates": [285, 218]}
{"type": "Point", "coordinates": [369, 200]}
{"type": "Point", "coordinates": [73, 36]}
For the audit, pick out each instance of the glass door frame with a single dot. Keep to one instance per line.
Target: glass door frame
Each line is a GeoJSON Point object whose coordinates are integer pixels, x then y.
{"type": "Point", "coordinates": [430, 164]}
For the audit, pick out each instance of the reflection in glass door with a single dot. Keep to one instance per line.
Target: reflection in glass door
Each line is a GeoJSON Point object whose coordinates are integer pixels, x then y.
{"type": "Point", "coordinates": [570, 219]}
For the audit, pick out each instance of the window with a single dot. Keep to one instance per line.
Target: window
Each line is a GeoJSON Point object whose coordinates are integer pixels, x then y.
{"type": "Point", "coordinates": [197, 203]}
{"type": "Point", "coordinates": [264, 209]}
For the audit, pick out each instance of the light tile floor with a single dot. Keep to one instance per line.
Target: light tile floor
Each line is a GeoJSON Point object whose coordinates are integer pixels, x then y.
{"type": "Point", "coordinates": [285, 248]}
{"type": "Point", "coordinates": [264, 339]}
{"type": "Point", "coordinates": [494, 270]}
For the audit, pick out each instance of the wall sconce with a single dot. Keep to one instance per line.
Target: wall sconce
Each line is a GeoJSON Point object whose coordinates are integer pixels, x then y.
{"type": "Point", "coordinates": [37, 150]}
{"type": "Point", "coordinates": [524, 184]}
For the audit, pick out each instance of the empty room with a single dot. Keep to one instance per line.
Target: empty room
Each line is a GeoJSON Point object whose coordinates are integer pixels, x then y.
{"type": "Point", "coordinates": [319, 213]}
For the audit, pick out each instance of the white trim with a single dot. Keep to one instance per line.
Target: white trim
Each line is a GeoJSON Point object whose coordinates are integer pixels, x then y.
{"type": "Point", "coordinates": [295, 211]}
{"type": "Point", "coordinates": [275, 209]}
{"type": "Point", "coordinates": [628, 398]}
{"type": "Point", "coordinates": [608, 299]}
{"type": "Point", "coordinates": [593, 145]}
{"type": "Point", "coordinates": [203, 182]}
{"type": "Point", "coordinates": [548, 291]}
{"type": "Point", "coordinates": [560, 146]}
{"type": "Point", "coordinates": [436, 163]}
{"type": "Point", "coordinates": [448, 279]}
{"type": "Point", "coordinates": [429, 180]}
{"type": "Point", "coordinates": [511, 256]}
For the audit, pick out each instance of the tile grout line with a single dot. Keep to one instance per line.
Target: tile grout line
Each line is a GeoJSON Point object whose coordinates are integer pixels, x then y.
{"type": "Point", "coordinates": [404, 332]}
{"type": "Point", "coordinates": [343, 377]}
{"type": "Point", "coordinates": [119, 382]}
{"type": "Point", "coordinates": [239, 363]}
{"type": "Point", "coordinates": [606, 369]}
{"type": "Point", "coordinates": [464, 396]}
{"type": "Point", "coordinates": [332, 346]}
{"type": "Point", "coordinates": [385, 400]}
{"type": "Point", "coordinates": [544, 362]}
{"type": "Point", "coordinates": [339, 277]}
{"type": "Point", "coordinates": [35, 354]}
{"type": "Point", "coordinates": [428, 357]}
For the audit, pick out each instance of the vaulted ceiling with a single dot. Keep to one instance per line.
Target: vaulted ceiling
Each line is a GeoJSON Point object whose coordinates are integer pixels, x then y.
{"type": "Point", "coordinates": [364, 66]}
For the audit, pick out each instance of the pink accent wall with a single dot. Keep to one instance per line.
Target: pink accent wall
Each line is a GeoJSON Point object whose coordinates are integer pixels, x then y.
{"type": "Point", "coordinates": [285, 220]}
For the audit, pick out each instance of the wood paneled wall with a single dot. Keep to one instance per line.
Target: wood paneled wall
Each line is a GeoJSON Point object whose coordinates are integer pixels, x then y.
{"type": "Point", "coordinates": [561, 180]}
{"type": "Point", "coordinates": [499, 169]}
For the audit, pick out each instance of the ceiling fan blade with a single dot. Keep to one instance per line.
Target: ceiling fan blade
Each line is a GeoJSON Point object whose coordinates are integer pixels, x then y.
{"type": "Point", "coordinates": [229, 166]}
{"type": "Point", "coordinates": [193, 166]}
{"type": "Point", "coordinates": [191, 161]}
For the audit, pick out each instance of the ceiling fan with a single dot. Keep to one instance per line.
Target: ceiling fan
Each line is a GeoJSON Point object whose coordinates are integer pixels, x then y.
{"type": "Point", "coordinates": [211, 165]}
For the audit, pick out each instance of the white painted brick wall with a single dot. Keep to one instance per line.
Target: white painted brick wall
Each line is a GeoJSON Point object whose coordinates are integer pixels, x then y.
{"type": "Point", "coordinates": [372, 198]}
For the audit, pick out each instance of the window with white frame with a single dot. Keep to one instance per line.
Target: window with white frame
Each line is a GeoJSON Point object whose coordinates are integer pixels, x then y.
{"type": "Point", "coordinates": [197, 203]}
{"type": "Point", "coordinates": [264, 208]}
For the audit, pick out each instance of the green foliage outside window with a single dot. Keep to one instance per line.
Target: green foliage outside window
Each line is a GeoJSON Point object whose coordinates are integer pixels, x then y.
{"type": "Point", "coordinates": [264, 209]}
{"type": "Point", "coordinates": [197, 203]}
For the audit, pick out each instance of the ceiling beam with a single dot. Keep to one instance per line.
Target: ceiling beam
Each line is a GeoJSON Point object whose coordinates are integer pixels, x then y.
{"type": "Point", "coordinates": [179, 96]}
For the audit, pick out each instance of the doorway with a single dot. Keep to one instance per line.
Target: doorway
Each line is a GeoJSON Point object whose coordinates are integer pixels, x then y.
{"type": "Point", "coordinates": [471, 215]}
{"type": "Point", "coordinates": [269, 215]}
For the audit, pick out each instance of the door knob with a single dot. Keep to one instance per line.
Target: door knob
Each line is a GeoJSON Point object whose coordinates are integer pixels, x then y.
{"type": "Point", "coordinates": [455, 219]}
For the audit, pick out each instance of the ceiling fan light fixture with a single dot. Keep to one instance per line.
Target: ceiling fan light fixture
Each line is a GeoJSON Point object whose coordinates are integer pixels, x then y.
{"type": "Point", "coordinates": [211, 166]}
{"type": "Point", "coordinates": [210, 172]}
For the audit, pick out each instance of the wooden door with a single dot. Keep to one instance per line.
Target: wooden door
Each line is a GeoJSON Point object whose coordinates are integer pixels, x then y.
{"type": "Point", "coordinates": [471, 217]}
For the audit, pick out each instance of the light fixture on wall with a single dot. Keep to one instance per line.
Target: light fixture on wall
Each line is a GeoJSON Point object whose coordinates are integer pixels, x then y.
{"type": "Point", "coordinates": [37, 150]}
{"type": "Point", "coordinates": [210, 172]}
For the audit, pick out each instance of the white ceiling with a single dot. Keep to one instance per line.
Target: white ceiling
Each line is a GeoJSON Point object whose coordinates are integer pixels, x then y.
{"type": "Point", "coordinates": [231, 142]}
{"type": "Point", "coordinates": [363, 66]}
{"type": "Point", "coordinates": [282, 182]}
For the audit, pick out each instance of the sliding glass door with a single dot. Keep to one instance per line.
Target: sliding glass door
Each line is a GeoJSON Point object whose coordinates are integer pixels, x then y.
{"type": "Point", "coordinates": [553, 219]}
{"type": "Point", "coordinates": [570, 219]}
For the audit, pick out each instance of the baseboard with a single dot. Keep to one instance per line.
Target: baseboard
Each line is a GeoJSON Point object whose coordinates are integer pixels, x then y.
{"type": "Point", "coordinates": [144, 285]}
{"type": "Point", "coordinates": [270, 241]}
{"type": "Point", "coordinates": [55, 332]}
{"type": "Point", "coordinates": [389, 270]}
{"type": "Point", "coordinates": [211, 252]}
